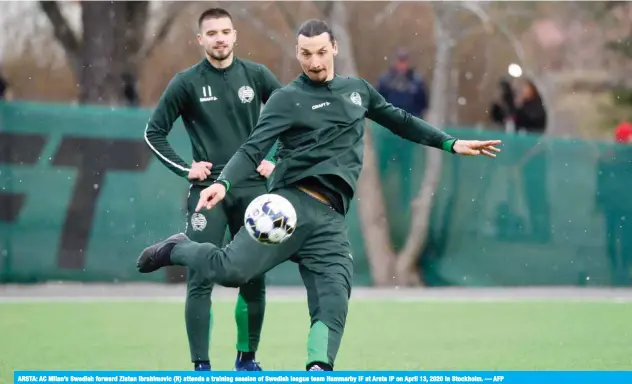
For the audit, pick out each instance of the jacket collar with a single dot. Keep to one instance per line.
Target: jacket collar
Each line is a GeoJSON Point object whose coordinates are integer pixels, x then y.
{"type": "Point", "coordinates": [304, 79]}
{"type": "Point", "coordinates": [210, 67]}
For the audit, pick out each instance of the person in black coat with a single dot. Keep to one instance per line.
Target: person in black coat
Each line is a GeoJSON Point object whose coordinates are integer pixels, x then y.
{"type": "Point", "coordinates": [4, 88]}
{"type": "Point", "coordinates": [524, 112]}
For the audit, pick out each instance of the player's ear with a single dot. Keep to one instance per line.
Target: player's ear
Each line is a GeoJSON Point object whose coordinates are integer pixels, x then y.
{"type": "Point", "coordinates": [234, 35]}
{"type": "Point", "coordinates": [335, 47]}
{"type": "Point", "coordinates": [298, 57]}
{"type": "Point", "coordinates": [199, 38]}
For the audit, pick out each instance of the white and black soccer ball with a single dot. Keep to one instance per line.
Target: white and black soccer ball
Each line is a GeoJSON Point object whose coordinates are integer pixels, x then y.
{"type": "Point", "coordinates": [270, 219]}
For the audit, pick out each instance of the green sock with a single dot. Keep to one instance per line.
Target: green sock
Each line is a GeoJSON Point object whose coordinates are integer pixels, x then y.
{"type": "Point", "coordinates": [241, 320]}
{"type": "Point", "coordinates": [249, 313]}
{"type": "Point", "coordinates": [318, 343]}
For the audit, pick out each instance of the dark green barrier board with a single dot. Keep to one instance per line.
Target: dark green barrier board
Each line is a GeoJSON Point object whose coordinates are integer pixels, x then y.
{"type": "Point", "coordinates": [81, 195]}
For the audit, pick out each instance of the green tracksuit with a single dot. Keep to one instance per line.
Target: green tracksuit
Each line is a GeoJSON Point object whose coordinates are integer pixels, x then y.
{"type": "Point", "coordinates": [219, 109]}
{"type": "Point", "coordinates": [320, 127]}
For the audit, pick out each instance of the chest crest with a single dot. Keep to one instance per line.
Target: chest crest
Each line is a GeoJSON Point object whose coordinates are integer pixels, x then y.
{"type": "Point", "coordinates": [246, 94]}
{"type": "Point", "coordinates": [356, 98]}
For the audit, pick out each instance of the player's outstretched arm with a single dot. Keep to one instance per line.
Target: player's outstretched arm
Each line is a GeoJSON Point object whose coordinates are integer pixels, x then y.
{"type": "Point", "coordinates": [419, 131]}
{"type": "Point", "coordinates": [169, 108]}
{"type": "Point", "coordinates": [404, 124]}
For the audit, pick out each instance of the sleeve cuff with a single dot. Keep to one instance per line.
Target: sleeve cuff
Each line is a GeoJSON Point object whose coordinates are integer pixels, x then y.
{"type": "Point", "coordinates": [448, 145]}
{"type": "Point", "coordinates": [225, 182]}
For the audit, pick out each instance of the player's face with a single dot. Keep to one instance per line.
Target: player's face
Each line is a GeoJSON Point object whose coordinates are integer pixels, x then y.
{"type": "Point", "coordinates": [217, 37]}
{"type": "Point", "coordinates": [316, 55]}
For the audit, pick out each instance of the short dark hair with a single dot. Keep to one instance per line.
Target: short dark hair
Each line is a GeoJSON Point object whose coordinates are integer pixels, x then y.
{"type": "Point", "coordinates": [213, 13]}
{"type": "Point", "coordinates": [315, 27]}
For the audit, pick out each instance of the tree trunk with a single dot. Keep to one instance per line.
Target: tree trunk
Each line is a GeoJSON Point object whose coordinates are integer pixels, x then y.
{"type": "Point", "coordinates": [406, 268]}
{"type": "Point", "coordinates": [133, 31]}
{"type": "Point", "coordinates": [113, 35]}
{"type": "Point", "coordinates": [339, 22]}
{"type": "Point", "coordinates": [113, 44]}
{"type": "Point", "coordinates": [371, 207]}
{"type": "Point", "coordinates": [99, 71]}
{"type": "Point", "coordinates": [387, 268]}
{"type": "Point", "coordinates": [373, 218]}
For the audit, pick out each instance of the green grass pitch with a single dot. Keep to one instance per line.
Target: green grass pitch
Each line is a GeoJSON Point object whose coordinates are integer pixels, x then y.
{"type": "Point", "coordinates": [430, 335]}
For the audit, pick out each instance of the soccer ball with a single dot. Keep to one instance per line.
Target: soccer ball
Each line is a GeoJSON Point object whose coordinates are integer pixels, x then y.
{"type": "Point", "coordinates": [270, 219]}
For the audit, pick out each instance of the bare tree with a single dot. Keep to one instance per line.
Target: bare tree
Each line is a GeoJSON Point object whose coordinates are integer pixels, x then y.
{"type": "Point", "coordinates": [384, 262]}
{"type": "Point", "coordinates": [401, 268]}
{"type": "Point", "coordinates": [372, 210]}
{"type": "Point", "coordinates": [111, 46]}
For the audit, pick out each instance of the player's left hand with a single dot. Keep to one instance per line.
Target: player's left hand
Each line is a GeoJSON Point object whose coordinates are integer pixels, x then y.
{"type": "Point", "coordinates": [476, 147]}
{"type": "Point", "coordinates": [265, 168]}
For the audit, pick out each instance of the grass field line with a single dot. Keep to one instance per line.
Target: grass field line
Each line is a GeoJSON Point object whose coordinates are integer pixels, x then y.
{"type": "Point", "coordinates": [147, 292]}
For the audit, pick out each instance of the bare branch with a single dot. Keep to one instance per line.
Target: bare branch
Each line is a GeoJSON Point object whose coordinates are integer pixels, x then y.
{"type": "Point", "coordinates": [466, 32]}
{"type": "Point", "coordinates": [478, 11]}
{"type": "Point", "coordinates": [515, 44]}
{"type": "Point", "coordinates": [386, 12]}
{"type": "Point", "coordinates": [61, 28]}
{"type": "Point", "coordinates": [487, 21]}
{"type": "Point", "coordinates": [287, 15]}
{"type": "Point", "coordinates": [173, 11]}
{"type": "Point", "coordinates": [489, 57]}
{"type": "Point", "coordinates": [257, 23]}
{"type": "Point", "coordinates": [518, 13]}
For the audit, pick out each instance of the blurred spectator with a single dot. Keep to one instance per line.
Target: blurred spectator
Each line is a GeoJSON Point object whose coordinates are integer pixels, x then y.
{"type": "Point", "coordinates": [523, 112]}
{"type": "Point", "coordinates": [403, 87]}
{"type": "Point", "coordinates": [5, 93]}
{"type": "Point", "coordinates": [130, 90]}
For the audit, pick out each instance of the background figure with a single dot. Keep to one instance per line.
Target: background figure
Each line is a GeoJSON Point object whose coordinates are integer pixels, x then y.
{"type": "Point", "coordinates": [5, 93]}
{"type": "Point", "coordinates": [130, 90]}
{"type": "Point", "coordinates": [504, 106]}
{"type": "Point", "coordinates": [524, 112]}
{"type": "Point", "coordinates": [403, 87]}
{"type": "Point", "coordinates": [529, 115]}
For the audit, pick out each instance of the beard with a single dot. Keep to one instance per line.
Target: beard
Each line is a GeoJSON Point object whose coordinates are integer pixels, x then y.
{"type": "Point", "coordinates": [319, 76]}
{"type": "Point", "coordinates": [219, 55]}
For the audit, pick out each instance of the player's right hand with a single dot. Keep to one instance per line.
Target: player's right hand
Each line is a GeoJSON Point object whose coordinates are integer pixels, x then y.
{"type": "Point", "coordinates": [200, 170]}
{"type": "Point", "coordinates": [211, 196]}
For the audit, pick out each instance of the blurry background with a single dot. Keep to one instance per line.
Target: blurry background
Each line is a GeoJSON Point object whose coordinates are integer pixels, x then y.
{"type": "Point", "coordinates": [81, 195]}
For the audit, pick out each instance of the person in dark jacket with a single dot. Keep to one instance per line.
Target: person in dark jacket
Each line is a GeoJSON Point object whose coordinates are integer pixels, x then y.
{"type": "Point", "coordinates": [525, 111]}
{"type": "Point", "coordinates": [401, 86]}
{"type": "Point", "coordinates": [4, 89]}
